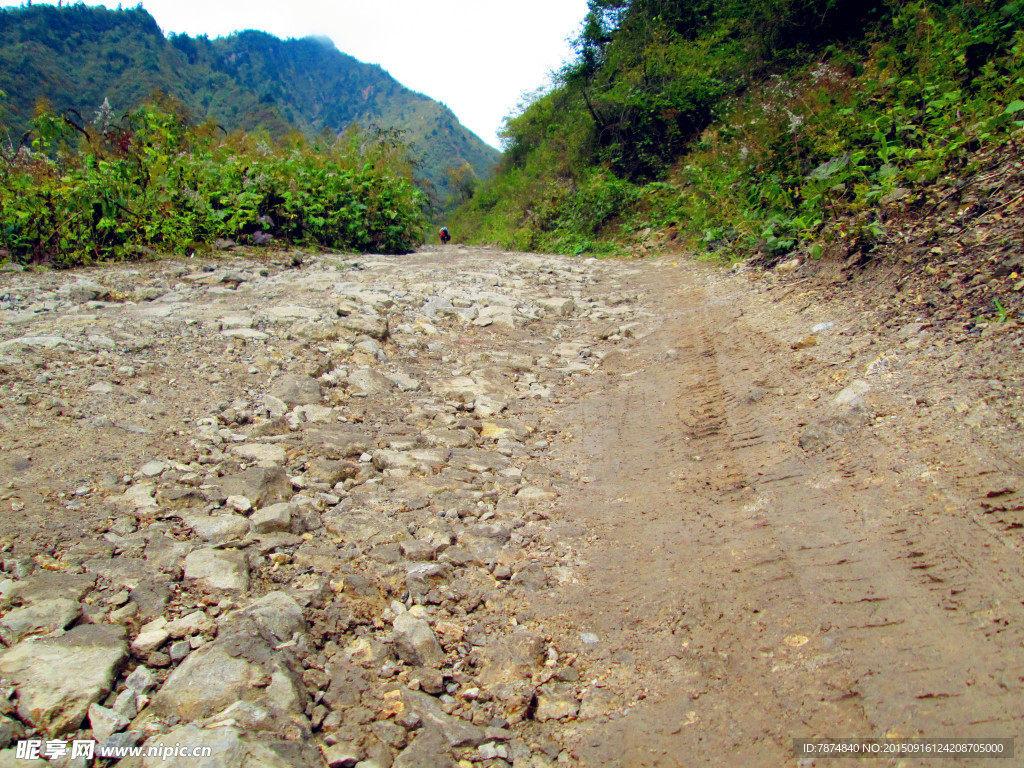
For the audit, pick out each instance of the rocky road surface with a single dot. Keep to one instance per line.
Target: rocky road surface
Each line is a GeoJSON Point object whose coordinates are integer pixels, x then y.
{"type": "Point", "coordinates": [477, 508]}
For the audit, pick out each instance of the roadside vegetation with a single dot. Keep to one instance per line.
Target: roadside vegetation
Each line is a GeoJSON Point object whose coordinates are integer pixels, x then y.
{"type": "Point", "coordinates": [753, 127]}
{"type": "Point", "coordinates": [77, 55]}
{"type": "Point", "coordinates": [78, 191]}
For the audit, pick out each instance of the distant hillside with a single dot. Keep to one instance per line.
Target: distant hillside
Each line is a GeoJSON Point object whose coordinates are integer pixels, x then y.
{"type": "Point", "coordinates": [75, 57]}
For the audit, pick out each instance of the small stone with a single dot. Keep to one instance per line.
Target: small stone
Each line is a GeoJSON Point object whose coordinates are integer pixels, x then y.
{"type": "Point", "coordinates": [83, 290]}
{"type": "Point", "coordinates": [489, 751]}
{"type": "Point", "coordinates": [105, 722]}
{"type": "Point", "coordinates": [374, 326]}
{"type": "Point", "coordinates": [455, 731]}
{"type": "Point", "coordinates": [194, 623]}
{"type": "Point", "coordinates": [151, 636]}
{"type": "Point", "coordinates": [218, 529]}
{"type": "Point", "coordinates": [788, 267]}
{"type": "Point", "coordinates": [239, 503]}
{"type": "Point", "coordinates": [142, 681]}
{"type": "Point", "coordinates": [124, 614]}
{"type": "Point", "coordinates": [366, 381]}
{"type": "Point", "coordinates": [561, 307]}
{"type": "Point", "coordinates": [10, 730]}
{"type": "Point", "coordinates": [261, 485]}
{"type": "Point", "coordinates": [153, 468]}
{"type": "Point", "coordinates": [403, 381]}
{"type": "Point", "coordinates": [139, 496]}
{"type": "Point", "coordinates": [275, 406]}
{"type": "Point", "coordinates": [126, 704]}
{"type": "Point", "coordinates": [342, 755]}
{"type": "Point", "coordinates": [531, 494]}
{"type": "Point", "coordinates": [853, 394]}
{"type": "Point", "coordinates": [179, 650]}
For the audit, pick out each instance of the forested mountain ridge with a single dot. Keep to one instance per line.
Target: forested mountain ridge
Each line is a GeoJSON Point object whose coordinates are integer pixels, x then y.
{"type": "Point", "coordinates": [74, 57]}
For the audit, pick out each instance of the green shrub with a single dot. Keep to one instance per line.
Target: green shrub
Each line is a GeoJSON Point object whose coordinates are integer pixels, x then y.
{"type": "Point", "coordinates": [88, 192]}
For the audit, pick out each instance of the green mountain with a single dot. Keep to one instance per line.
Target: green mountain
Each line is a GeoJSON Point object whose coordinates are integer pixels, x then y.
{"type": "Point", "coordinates": [77, 56]}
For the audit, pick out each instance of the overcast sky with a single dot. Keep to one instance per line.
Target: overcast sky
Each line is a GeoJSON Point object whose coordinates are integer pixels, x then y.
{"type": "Point", "coordinates": [477, 56]}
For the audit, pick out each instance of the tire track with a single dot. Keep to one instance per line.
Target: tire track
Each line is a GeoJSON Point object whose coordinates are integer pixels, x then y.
{"type": "Point", "coordinates": [771, 593]}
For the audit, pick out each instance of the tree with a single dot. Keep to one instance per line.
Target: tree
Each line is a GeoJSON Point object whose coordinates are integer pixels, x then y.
{"type": "Point", "coordinates": [462, 182]}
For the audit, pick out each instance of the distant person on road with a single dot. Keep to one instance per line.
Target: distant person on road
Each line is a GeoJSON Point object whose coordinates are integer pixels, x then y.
{"type": "Point", "coordinates": [445, 237]}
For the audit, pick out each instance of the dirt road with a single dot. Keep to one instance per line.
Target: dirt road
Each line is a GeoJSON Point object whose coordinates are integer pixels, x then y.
{"type": "Point", "coordinates": [719, 510]}
{"type": "Point", "coordinates": [772, 554]}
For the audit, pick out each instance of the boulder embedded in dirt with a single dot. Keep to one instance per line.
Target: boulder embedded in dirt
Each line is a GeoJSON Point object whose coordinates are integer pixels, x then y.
{"type": "Point", "coordinates": [57, 679]}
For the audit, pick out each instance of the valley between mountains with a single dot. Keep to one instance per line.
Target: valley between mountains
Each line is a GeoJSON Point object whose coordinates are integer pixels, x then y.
{"type": "Point", "coordinates": [482, 508]}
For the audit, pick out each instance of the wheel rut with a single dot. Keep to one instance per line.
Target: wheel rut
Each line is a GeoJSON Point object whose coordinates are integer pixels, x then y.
{"type": "Point", "coordinates": [746, 591]}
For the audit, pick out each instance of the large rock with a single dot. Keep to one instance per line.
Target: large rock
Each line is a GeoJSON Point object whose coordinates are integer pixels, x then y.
{"type": "Point", "coordinates": [47, 585]}
{"type": "Point", "coordinates": [217, 529]}
{"type": "Point", "coordinates": [245, 664]}
{"type": "Point", "coordinates": [230, 747]}
{"type": "Point", "coordinates": [374, 326]}
{"type": "Point", "coordinates": [365, 528]}
{"type": "Point", "coordinates": [507, 659]}
{"type": "Point", "coordinates": [366, 381]}
{"type": "Point", "coordinates": [57, 679]}
{"type": "Point", "coordinates": [262, 454]}
{"type": "Point", "coordinates": [336, 441]}
{"type": "Point", "coordinates": [294, 389]}
{"type": "Point", "coordinates": [39, 618]}
{"type": "Point", "coordinates": [458, 733]}
{"type": "Point", "coordinates": [421, 460]}
{"type": "Point", "coordinates": [261, 485]}
{"type": "Point", "coordinates": [415, 642]}
{"type": "Point", "coordinates": [224, 569]}
{"type": "Point", "coordinates": [428, 749]}
{"type": "Point", "coordinates": [276, 517]}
